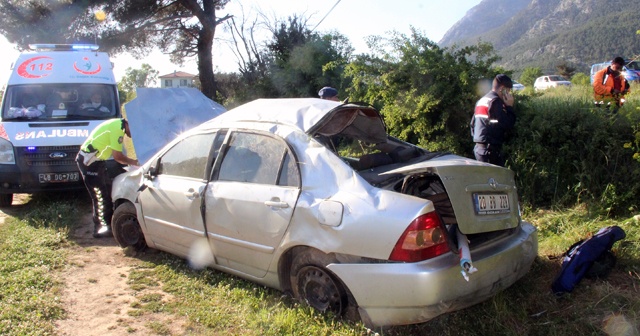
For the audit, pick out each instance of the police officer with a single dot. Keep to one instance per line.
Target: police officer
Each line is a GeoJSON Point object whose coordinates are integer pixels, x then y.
{"type": "Point", "coordinates": [492, 118]}
{"type": "Point", "coordinates": [104, 142]}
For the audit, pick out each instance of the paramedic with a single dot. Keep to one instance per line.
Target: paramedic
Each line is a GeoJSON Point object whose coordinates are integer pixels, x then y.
{"type": "Point", "coordinates": [492, 118]}
{"type": "Point", "coordinates": [104, 142]}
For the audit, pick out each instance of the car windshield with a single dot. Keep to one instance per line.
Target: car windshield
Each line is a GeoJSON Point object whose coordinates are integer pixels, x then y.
{"type": "Point", "coordinates": [556, 78]}
{"type": "Point", "coordinates": [633, 65]}
{"type": "Point", "coordinates": [59, 102]}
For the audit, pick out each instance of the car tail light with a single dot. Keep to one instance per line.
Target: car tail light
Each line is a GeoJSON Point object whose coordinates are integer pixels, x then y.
{"type": "Point", "coordinates": [425, 238]}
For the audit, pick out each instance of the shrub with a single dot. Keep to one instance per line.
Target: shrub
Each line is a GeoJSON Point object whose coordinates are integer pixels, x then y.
{"type": "Point", "coordinates": [565, 152]}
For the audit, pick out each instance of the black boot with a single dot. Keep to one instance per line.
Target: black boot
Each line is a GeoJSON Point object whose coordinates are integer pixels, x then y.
{"type": "Point", "coordinates": [101, 231]}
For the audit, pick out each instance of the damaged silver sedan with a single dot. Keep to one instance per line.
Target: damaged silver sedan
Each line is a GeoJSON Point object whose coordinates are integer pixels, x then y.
{"type": "Point", "coordinates": [314, 198]}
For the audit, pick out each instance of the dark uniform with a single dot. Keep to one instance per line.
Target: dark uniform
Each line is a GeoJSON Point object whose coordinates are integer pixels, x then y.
{"type": "Point", "coordinates": [491, 120]}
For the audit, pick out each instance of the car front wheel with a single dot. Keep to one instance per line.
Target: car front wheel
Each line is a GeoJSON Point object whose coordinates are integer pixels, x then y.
{"type": "Point", "coordinates": [6, 200]}
{"type": "Point", "coordinates": [313, 284]}
{"type": "Point", "coordinates": [126, 229]}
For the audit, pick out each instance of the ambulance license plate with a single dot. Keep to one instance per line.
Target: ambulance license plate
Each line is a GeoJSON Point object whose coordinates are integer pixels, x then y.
{"type": "Point", "coordinates": [58, 177]}
{"type": "Point", "coordinates": [491, 204]}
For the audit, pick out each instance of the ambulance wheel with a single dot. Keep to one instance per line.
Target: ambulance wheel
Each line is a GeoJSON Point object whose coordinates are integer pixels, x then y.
{"type": "Point", "coordinates": [6, 200]}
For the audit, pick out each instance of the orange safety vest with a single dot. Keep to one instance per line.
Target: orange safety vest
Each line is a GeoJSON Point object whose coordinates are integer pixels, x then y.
{"type": "Point", "coordinates": [605, 81]}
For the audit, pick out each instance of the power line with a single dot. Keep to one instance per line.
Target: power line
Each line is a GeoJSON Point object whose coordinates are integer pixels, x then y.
{"type": "Point", "coordinates": [325, 16]}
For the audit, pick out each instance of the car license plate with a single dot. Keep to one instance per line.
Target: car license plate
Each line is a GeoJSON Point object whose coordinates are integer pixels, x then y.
{"type": "Point", "coordinates": [490, 204]}
{"type": "Point", "coordinates": [58, 177]}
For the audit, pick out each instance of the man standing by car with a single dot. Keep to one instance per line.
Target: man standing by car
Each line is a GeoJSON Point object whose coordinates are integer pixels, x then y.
{"type": "Point", "coordinates": [609, 87]}
{"type": "Point", "coordinates": [104, 142]}
{"type": "Point", "coordinates": [492, 118]}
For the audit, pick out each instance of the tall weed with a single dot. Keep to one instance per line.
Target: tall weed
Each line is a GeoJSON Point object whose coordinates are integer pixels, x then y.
{"type": "Point", "coordinates": [567, 152]}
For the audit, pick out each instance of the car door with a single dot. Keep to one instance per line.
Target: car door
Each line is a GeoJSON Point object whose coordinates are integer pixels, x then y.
{"type": "Point", "coordinates": [171, 202]}
{"type": "Point", "coordinates": [250, 201]}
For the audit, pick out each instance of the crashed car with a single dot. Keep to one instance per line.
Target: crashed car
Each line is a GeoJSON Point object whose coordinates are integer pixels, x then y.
{"type": "Point", "coordinates": [313, 197]}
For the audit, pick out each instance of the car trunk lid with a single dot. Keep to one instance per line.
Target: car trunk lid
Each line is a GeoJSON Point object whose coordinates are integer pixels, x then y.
{"type": "Point", "coordinates": [483, 196]}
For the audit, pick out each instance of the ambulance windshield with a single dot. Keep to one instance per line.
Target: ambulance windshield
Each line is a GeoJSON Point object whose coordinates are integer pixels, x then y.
{"type": "Point", "coordinates": [59, 102]}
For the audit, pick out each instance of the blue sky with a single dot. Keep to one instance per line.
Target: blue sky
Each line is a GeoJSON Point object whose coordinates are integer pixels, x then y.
{"type": "Point", "coordinates": [355, 19]}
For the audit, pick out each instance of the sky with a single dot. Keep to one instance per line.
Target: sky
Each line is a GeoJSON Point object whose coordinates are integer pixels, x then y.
{"type": "Point", "coordinates": [356, 19]}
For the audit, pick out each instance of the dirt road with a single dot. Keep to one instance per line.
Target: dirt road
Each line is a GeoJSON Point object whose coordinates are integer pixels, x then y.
{"type": "Point", "coordinates": [95, 290]}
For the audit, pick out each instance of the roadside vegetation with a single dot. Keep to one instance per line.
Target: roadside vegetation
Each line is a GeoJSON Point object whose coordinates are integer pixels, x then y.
{"type": "Point", "coordinates": [32, 251]}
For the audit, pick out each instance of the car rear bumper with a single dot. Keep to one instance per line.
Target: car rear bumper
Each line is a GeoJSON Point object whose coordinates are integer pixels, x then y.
{"type": "Point", "coordinates": [407, 293]}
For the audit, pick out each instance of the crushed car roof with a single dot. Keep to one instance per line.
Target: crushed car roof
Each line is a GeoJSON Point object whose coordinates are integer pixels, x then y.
{"type": "Point", "coordinates": [311, 115]}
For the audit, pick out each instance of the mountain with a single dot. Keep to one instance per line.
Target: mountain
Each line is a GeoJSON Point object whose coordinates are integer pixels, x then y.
{"type": "Point", "coordinates": [545, 33]}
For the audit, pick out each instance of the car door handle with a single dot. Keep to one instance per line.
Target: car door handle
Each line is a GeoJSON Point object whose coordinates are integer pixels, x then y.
{"type": "Point", "coordinates": [192, 193]}
{"type": "Point", "coordinates": [276, 204]}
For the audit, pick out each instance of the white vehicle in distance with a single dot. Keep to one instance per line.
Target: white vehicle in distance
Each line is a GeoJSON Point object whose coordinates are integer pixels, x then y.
{"type": "Point", "coordinates": [545, 82]}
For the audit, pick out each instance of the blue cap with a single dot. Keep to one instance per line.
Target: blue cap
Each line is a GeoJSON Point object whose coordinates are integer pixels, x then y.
{"type": "Point", "coordinates": [327, 92]}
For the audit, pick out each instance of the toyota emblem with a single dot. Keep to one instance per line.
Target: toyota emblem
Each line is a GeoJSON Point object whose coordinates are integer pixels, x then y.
{"type": "Point", "coordinates": [492, 183]}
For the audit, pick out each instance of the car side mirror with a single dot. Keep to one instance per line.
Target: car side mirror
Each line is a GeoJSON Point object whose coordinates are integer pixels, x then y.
{"type": "Point", "coordinates": [151, 173]}
{"type": "Point", "coordinates": [153, 170]}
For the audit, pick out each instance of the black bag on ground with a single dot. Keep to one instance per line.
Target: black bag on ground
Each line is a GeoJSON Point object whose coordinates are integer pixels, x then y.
{"type": "Point", "coordinates": [591, 257]}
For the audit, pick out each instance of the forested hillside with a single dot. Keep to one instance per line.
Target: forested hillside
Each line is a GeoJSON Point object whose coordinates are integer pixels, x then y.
{"type": "Point", "coordinates": [545, 33]}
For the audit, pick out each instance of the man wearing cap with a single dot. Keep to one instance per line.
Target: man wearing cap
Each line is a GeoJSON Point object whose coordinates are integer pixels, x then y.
{"type": "Point", "coordinates": [492, 118]}
{"type": "Point", "coordinates": [104, 142]}
{"type": "Point", "coordinates": [329, 93]}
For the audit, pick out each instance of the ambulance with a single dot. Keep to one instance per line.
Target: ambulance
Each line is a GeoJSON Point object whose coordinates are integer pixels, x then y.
{"type": "Point", "coordinates": [55, 96]}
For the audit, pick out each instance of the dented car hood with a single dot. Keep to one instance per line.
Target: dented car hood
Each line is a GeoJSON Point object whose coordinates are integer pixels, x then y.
{"type": "Point", "coordinates": [158, 115]}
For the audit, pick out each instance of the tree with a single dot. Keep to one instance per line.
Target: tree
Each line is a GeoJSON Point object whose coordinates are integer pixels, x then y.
{"type": "Point", "coordinates": [565, 70]}
{"type": "Point", "coordinates": [25, 22]}
{"type": "Point", "coordinates": [135, 78]}
{"type": "Point", "coordinates": [181, 28]}
{"type": "Point", "coordinates": [304, 61]}
{"type": "Point", "coordinates": [529, 76]}
{"type": "Point", "coordinates": [426, 93]}
{"type": "Point", "coordinates": [295, 62]}
{"type": "Point", "coordinates": [581, 79]}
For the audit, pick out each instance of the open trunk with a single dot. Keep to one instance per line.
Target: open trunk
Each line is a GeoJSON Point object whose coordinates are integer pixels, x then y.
{"type": "Point", "coordinates": [477, 198]}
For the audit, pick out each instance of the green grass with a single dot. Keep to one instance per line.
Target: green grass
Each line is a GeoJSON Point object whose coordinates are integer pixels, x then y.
{"type": "Point", "coordinates": [34, 247]}
{"type": "Point", "coordinates": [32, 250]}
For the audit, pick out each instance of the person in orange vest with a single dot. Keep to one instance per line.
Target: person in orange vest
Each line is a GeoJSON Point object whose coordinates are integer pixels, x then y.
{"type": "Point", "coordinates": [609, 86]}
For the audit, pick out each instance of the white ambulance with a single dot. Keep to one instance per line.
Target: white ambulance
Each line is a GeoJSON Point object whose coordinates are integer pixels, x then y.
{"type": "Point", "coordinates": [55, 96]}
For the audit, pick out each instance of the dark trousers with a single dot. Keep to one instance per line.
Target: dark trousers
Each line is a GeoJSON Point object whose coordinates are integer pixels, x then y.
{"type": "Point", "coordinates": [489, 153]}
{"type": "Point", "coordinates": [98, 183]}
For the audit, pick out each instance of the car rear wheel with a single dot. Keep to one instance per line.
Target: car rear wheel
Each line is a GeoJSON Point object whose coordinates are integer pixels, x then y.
{"type": "Point", "coordinates": [315, 285]}
{"type": "Point", "coordinates": [126, 229]}
{"type": "Point", "coordinates": [6, 200]}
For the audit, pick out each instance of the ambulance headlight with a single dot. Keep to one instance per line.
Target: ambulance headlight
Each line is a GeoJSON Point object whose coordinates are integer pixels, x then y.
{"type": "Point", "coordinates": [6, 152]}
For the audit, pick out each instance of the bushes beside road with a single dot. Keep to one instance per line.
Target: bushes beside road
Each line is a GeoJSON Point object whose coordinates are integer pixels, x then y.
{"type": "Point", "coordinates": [566, 152]}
